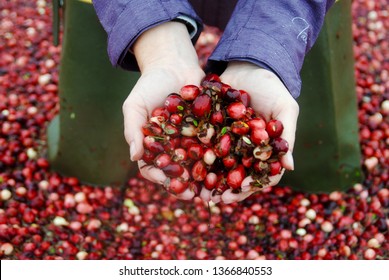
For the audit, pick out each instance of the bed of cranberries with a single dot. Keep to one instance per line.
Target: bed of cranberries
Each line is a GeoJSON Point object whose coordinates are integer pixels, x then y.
{"type": "Point", "coordinates": [47, 216]}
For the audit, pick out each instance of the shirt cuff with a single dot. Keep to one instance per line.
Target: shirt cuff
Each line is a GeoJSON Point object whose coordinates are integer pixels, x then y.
{"type": "Point", "coordinates": [261, 50]}
{"type": "Point", "coordinates": [190, 23]}
{"type": "Point", "coordinates": [141, 16]}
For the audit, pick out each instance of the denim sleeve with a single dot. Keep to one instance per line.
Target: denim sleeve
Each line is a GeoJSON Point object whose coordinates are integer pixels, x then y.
{"type": "Point", "coordinates": [272, 34]}
{"type": "Point", "coordinates": [125, 20]}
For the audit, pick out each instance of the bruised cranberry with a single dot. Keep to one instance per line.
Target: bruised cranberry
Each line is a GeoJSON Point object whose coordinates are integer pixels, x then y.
{"type": "Point", "coordinates": [240, 128]}
{"type": "Point", "coordinates": [263, 152]}
{"type": "Point", "coordinates": [188, 130]}
{"type": "Point", "coordinates": [280, 146]}
{"type": "Point", "coordinates": [180, 155]}
{"type": "Point", "coordinates": [195, 151]}
{"type": "Point", "coordinates": [151, 129]}
{"type": "Point", "coordinates": [171, 144]}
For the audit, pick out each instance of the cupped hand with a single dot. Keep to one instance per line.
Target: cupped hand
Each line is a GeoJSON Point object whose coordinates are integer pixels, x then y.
{"type": "Point", "coordinates": [271, 99]}
{"type": "Point", "coordinates": [149, 93]}
{"type": "Point", "coordinates": [167, 61]}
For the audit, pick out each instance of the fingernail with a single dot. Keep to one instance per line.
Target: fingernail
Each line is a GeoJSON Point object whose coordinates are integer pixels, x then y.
{"type": "Point", "coordinates": [132, 151]}
{"type": "Point", "coordinates": [290, 160]}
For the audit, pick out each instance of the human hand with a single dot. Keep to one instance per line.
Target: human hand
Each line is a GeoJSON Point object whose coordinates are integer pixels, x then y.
{"type": "Point", "coordinates": [271, 99]}
{"type": "Point", "coordinates": [167, 61]}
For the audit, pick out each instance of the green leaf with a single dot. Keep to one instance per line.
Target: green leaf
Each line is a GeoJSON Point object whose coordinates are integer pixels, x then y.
{"type": "Point", "coordinates": [180, 108]}
{"type": "Point", "coordinates": [128, 203]}
{"type": "Point", "coordinates": [246, 140]}
{"type": "Point", "coordinates": [169, 131]}
{"type": "Point", "coordinates": [224, 130]}
{"type": "Point", "coordinates": [195, 123]}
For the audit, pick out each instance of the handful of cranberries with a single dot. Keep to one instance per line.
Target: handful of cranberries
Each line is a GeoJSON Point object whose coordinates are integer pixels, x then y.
{"type": "Point", "coordinates": [208, 140]}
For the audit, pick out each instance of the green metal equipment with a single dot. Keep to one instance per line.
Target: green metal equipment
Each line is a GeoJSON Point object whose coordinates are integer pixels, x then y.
{"type": "Point", "coordinates": [86, 139]}
{"type": "Point", "coordinates": [327, 153]}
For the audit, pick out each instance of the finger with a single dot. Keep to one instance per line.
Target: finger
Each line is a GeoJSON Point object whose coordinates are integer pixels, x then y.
{"type": "Point", "coordinates": [288, 116]}
{"type": "Point", "coordinates": [151, 173]}
{"type": "Point", "coordinates": [230, 197]}
{"type": "Point", "coordinates": [274, 180]}
{"type": "Point", "coordinates": [249, 189]}
{"type": "Point", "coordinates": [188, 194]}
{"type": "Point", "coordinates": [246, 184]}
{"type": "Point", "coordinates": [205, 195]}
{"type": "Point", "coordinates": [135, 116]}
{"type": "Point", "coordinates": [216, 198]}
{"type": "Point", "coordinates": [243, 196]}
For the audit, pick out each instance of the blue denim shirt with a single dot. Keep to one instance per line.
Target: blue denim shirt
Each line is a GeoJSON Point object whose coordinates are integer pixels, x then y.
{"type": "Point", "coordinates": [275, 34]}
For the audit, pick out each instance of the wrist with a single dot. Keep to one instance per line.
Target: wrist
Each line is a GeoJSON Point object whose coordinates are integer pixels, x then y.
{"type": "Point", "coordinates": [165, 45]}
{"type": "Point", "coordinates": [241, 69]}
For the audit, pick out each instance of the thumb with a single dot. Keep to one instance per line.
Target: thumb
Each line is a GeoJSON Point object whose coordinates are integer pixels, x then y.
{"type": "Point", "coordinates": [135, 116]}
{"type": "Point", "coordinates": [288, 116]}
